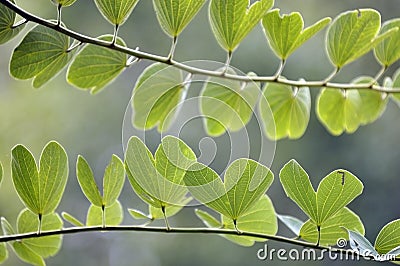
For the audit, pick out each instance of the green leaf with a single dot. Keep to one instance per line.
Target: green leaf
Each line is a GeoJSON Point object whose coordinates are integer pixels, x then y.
{"type": "Point", "coordinates": [232, 20]}
{"type": "Point", "coordinates": [63, 2]}
{"type": "Point", "coordinates": [158, 181]}
{"type": "Point", "coordinates": [175, 15]}
{"type": "Point", "coordinates": [71, 219]}
{"type": "Point", "coordinates": [396, 84]}
{"type": "Point", "coordinates": [26, 254]}
{"type": "Point", "coordinates": [208, 219]}
{"type": "Point", "coordinates": [260, 218]}
{"type": "Point", "coordinates": [285, 111]}
{"type": "Point", "coordinates": [113, 181]}
{"type": "Point", "coordinates": [339, 110]}
{"type": "Point", "coordinates": [292, 223]}
{"type": "Point", "coordinates": [352, 34]}
{"type": "Point", "coordinates": [116, 11]}
{"type": "Point", "coordinates": [388, 51]}
{"type": "Point", "coordinates": [113, 214]}
{"type": "Point", "coordinates": [7, 20]}
{"type": "Point", "coordinates": [45, 247]}
{"type": "Point", "coordinates": [41, 191]}
{"type": "Point", "coordinates": [331, 229]}
{"type": "Point", "coordinates": [245, 181]}
{"type": "Point", "coordinates": [95, 66]}
{"type": "Point", "coordinates": [285, 33]}
{"type": "Point", "coordinates": [227, 104]}
{"type": "Point", "coordinates": [3, 252]}
{"type": "Point", "coordinates": [87, 182]}
{"type": "Point", "coordinates": [41, 55]}
{"type": "Point", "coordinates": [157, 93]}
{"type": "Point", "coordinates": [297, 186]}
{"type": "Point", "coordinates": [138, 215]}
{"type": "Point", "coordinates": [389, 237]}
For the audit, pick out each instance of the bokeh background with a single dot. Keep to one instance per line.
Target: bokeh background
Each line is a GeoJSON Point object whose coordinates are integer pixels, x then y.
{"type": "Point", "coordinates": [91, 126]}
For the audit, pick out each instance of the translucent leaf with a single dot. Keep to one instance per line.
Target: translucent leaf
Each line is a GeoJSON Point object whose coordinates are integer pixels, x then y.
{"type": "Point", "coordinates": [389, 237]}
{"type": "Point", "coordinates": [339, 110]}
{"type": "Point", "coordinates": [87, 182]}
{"type": "Point", "coordinates": [138, 215]}
{"type": "Point", "coordinates": [297, 186]}
{"type": "Point", "coordinates": [157, 93]}
{"type": "Point", "coordinates": [352, 34]}
{"type": "Point", "coordinates": [41, 55]}
{"type": "Point", "coordinates": [245, 181]}
{"type": "Point", "coordinates": [40, 191]}
{"type": "Point", "coordinates": [45, 247]}
{"type": "Point", "coordinates": [292, 223]}
{"type": "Point", "coordinates": [116, 11]}
{"type": "Point", "coordinates": [3, 253]}
{"type": "Point", "coordinates": [71, 219]}
{"type": "Point", "coordinates": [334, 192]}
{"type": "Point", "coordinates": [232, 20]}
{"type": "Point", "coordinates": [260, 218]}
{"type": "Point", "coordinates": [158, 181]}
{"type": "Point", "coordinates": [95, 67]}
{"type": "Point", "coordinates": [208, 219]}
{"type": "Point", "coordinates": [227, 104]}
{"type": "Point", "coordinates": [285, 111]}
{"type": "Point", "coordinates": [113, 214]}
{"type": "Point", "coordinates": [331, 230]}
{"type": "Point", "coordinates": [63, 2]}
{"type": "Point", "coordinates": [26, 254]}
{"type": "Point", "coordinates": [388, 51]}
{"type": "Point", "coordinates": [175, 15]}
{"type": "Point", "coordinates": [285, 33]}
{"type": "Point", "coordinates": [7, 20]}
{"type": "Point", "coordinates": [360, 244]}
{"type": "Point", "coordinates": [113, 181]}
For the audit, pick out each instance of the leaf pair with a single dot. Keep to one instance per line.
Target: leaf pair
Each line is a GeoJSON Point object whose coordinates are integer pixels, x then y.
{"type": "Point", "coordinates": [334, 192]}
{"type": "Point", "coordinates": [7, 20]}
{"type": "Point", "coordinates": [260, 218]}
{"type": "Point", "coordinates": [345, 110]}
{"type": "Point", "coordinates": [245, 182]}
{"type": "Point", "coordinates": [40, 190]}
{"type": "Point", "coordinates": [34, 250]}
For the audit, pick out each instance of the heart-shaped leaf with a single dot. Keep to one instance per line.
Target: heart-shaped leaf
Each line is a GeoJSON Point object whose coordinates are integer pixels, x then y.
{"type": "Point", "coordinates": [388, 51]}
{"type": "Point", "coordinates": [113, 215]}
{"type": "Point", "coordinates": [40, 191]}
{"type": "Point", "coordinates": [352, 34]}
{"type": "Point", "coordinates": [334, 192]}
{"type": "Point", "coordinates": [339, 110]}
{"type": "Point", "coordinates": [95, 66]}
{"type": "Point", "coordinates": [285, 111]}
{"type": "Point", "coordinates": [116, 11]}
{"type": "Point", "coordinates": [7, 20]}
{"type": "Point", "coordinates": [113, 181]}
{"type": "Point", "coordinates": [227, 104]}
{"type": "Point", "coordinates": [159, 180]}
{"type": "Point", "coordinates": [175, 15]}
{"type": "Point", "coordinates": [285, 33]}
{"type": "Point", "coordinates": [41, 55]}
{"type": "Point", "coordinates": [388, 238]}
{"type": "Point", "coordinates": [245, 181]}
{"type": "Point", "coordinates": [156, 95]}
{"type": "Point", "coordinates": [232, 20]}
{"type": "Point", "coordinates": [331, 229]}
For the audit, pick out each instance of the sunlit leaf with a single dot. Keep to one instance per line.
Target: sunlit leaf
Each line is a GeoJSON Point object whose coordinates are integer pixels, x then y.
{"type": "Point", "coordinates": [352, 34]}
{"type": "Point", "coordinates": [95, 66]}
{"type": "Point", "coordinates": [157, 93]}
{"type": "Point", "coordinates": [26, 254]}
{"type": "Point", "coordinates": [245, 181]}
{"type": "Point", "coordinates": [71, 219]}
{"type": "Point", "coordinates": [116, 11]}
{"type": "Point", "coordinates": [40, 191]}
{"type": "Point", "coordinates": [113, 214]}
{"type": "Point", "coordinates": [41, 55]}
{"type": "Point", "coordinates": [138, 215]}
{"type": "Point", "coordinates": [389, 237]}
{"type": "Point", "coordinates": [175, 15]}
{"type": "Point", "coordinates": [339, 110]}
{"type": "Point", "coordinates": [285, 111]}
{"type": "Point", "coordinates": [3, 253]}
{"type": "Point", "coordinates": [44, 246]}
{"type": "Point", "coordinates": [388, 51]}
{"type": "Point", "coordinates": [331, 229]}
{"type": "Point", "coordinates": [7, 20]}
{"type": "Point", "coordinates": [208, 219]}
{"type": "Point", "coordinates": [227, 104]}
{"type": "Point", "coordinates": [232, 20]}
{"type": "Point", "coordinates": [286, 33]}
{"type": "Point", "coordinates": [87, 182]}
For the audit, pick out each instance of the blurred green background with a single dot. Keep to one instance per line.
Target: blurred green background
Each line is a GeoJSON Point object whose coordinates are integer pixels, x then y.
{"type": "Point", "coordinates": [91, 126]}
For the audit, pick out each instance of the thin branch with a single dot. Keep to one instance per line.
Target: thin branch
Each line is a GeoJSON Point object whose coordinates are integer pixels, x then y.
{"type": "Point", "coordinates": [194, 70]}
